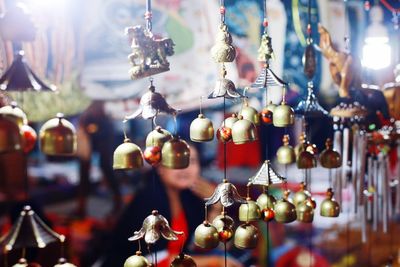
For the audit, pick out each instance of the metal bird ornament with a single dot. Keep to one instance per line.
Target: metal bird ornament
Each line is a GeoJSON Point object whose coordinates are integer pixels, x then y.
{"type": "Point", "coordinates": [155, 226]}
{"type": "Point", "coordinates": [227, 194]}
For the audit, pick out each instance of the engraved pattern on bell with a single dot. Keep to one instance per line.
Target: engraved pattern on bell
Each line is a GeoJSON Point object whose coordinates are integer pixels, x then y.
{"type": "Point", "coordinates": [329, 206]}
{"type": "Point", "coordinates": [250, 211]}
{"type": "Point", "coordinates": [136, 261]}
{"type": "Point", "coordinates": [127, 156]}
{"type": "Point", "coordinates": [155, 226]}
{"type": "Point", "coordinates": [183, 260]}
{"type": "Point", "coordinates": [206, 236]}
{"type": "Point", "coordinates": [329, 157]}
{"type": "Point", "coordinates": [246, 236]}
{"type": "Point", "coordinates": [285, 212]}
{"type": "Point", "coordinates": [227, 194]}
{"type": "Point", "coordinates": [243, 131]}
{"type": "Point", "coordinates": [201, 129]}
{"type": "Point", "coordinates": [175, 154]}
{"type": "Point", "coordinates": [223, 50]}
{"type": "Point", "coordinates": [283, 115]}
{"type": "Point", "coordinates": [285, 154]}
{"type": "Point", "coordinates": [158, 137]}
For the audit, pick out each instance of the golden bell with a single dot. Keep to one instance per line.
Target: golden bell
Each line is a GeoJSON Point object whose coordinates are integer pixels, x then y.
{"type": "Point", "coordinates": [246, 236]}
{"type": "Point", "coordinates": [136, 261]}
{"type": "Point", "coordinates": [10, 135]}
{"type": "Point", "coordinates": [223, 221]}
{"type": "Point", "coordinates": [175, 154]}
{"type": "Point", "coordinates": [330, 158]}
{"type": "Point", "coordinates": [201, 129]}
{"type": "Point", "coordinates": [250, 114]}
{"type": "Point", "coordinates": [285, 212]}
{"type": "Point", "coordinates": [206, 236]}
{"type": "Point", "coordinates": [228, 122]}
{"type": "Point", "coordinates": [329, 206]}
{"type": "Point", "coordinates": [58, 137]}
{"type": "Point", "coordinates": [183, 260]}
{"type": "Point", "coordinates": [127, 156]}
{"type": "Point", "coordinates": [302, 195]}
{"type": "Point", "coordinates": [283, 115]}
{"type": "Point", "coordinates": [265, 201]}
{"type": "Point", "coordinates": [305, 213]}
{"type": "Point", "coordinates": [243, 131]}
{"type": "Point", "coordinates": [14, 113]}
{"type": "Point", "coordinates": [158, 137]}
{"type": "Point", "coordinates": [62, 262]}
{"type": "Point", "coordinates": [306, 160]}
{"type": "Point", "coordinates": [302, 145]}
{"type": "Point", "coordinates": [22, 262]}
{"type": "Point", "coordinates": [285, 154]}
{"type": "Point", "coordinates": [249, 211]}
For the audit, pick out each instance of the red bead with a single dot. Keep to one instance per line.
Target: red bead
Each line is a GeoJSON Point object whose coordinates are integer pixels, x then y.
{"type": "Point", "coordinates": [367, 5]}
{"type": "Point", "coordinates": [222, 10]}
{"type": "Point", "coordinates": [224, 134]}
{"type": "Point", "coordinates": [265, 23]}
{"type": "Point", "coordinates": [268, 214]}
{"type": "Point", "coordinates": [29, 137]}
{"type": "Point", "coordinates": [309, 29]}
{"type": "Point", "coordinates": [152, 155]}
{"type": "Point", "coordinates": [225, 235]}
{"type": "Point", "coordinates": [266, 116]}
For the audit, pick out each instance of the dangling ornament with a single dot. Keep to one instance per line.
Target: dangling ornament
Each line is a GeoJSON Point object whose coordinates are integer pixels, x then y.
{"type": "Point", "coordinates": [224, 225]}
{"type": "Point", "coordinates": [201, 129]}
{"type": "Point", "coordinates": [267, 113]}
{"type": "Point", "coordinates": [250, 211]}
{"type": "Point", "coordinates": [223, 50]}
{"type": "Point", "coordinates": [127, 156]}
{"type": "Point", "coordinates": [22, 262]}
{"type": "Point", "coordinates": [285, 212]}
{"type": "Point", "coordinates": [14, 113]}
{"type": "Point", "coordinates": [183, 260]}
{"type": "Point", "coordinates": [206, 236]}
{"type": "Point", "coordinates": [152, 155]}
{"type": "Point", "coordinates": [246, 236]}
{"type": "Point", "coordinates": [62, 262]}
{"type": "Point", "coordinates": [224, 134]}
{"type": "Point", "coordinates": [302, 195]}
{"type": "Point", "coordinates": [266, 203]}
{"type": "Point", "coordinates": [329, 157]}
{"type": "Point", "coordinates": [306, 160]}
{"type": "Point", "coordinates": [285, 154]}
{"type": "Point", "coordinates": [175, 154]}
{"type": "Point", "coordinates": [29, 138]}
{"type": "Point", "coordinates": [243, 131]}
{"type": "Point", "coordinates": [283, 115]}
{"type": "Point", "coordinates": [58, 137]}
{"type": "Point", "coordinates": [158, 137]}
{"type": "Point", "coordinates": [329, 206]}
{"type": "Point", "coordinates": [10, 135]}
{"type": "Point", "coordinates": [224, 88]}
{"type": "Point", "coordinates": [249, 113]}
{"type": "Point", "coordinates": [305, 212]}
{"type": "Point", "coordinates": [302, 145]}
{"type": "Point", "coordinates": [136, 260]}
{"type": "Point", "coordinates": [227, 194]}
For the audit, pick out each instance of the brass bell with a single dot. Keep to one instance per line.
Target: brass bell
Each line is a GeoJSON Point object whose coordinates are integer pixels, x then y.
{"type": "Point", "coordinates": [127, 156]}
{"type": "Point", "coordinates": [58, 137]}
{"type": "Point", "coordinates": [329, 206]}
{"type": "Point", "coordinates": [183, 260]}
{"type": "Point", "coordinates": [243, 131]}
{"type": "Point", "coordinates": [301, 195]}
{"type": "Point", "coordinates": [302, 145]}
{"type": "Point", "coordinates": [206, 236]}
{"type": "Point", "coordinates": [62, 262]}
{"type": "Point", "coordinates": [10, 135]}
{"type": "Point", "coordinates": [250, 113]}
{"type": "Point", "coordinates": [305, 213]}
{"type": "Point", "coordinates": [285, 212]}
{"type": "Point", "coordinates": [175, 154]}
{"type": "Point", "coordinates": [329, 157]}
{"type": "Point", "coordinates": [14, 113]}
{"type": "Point", "coordinates": [228, 122]}
{"type": "Point", "coordinates": [158, 137]}
{"type": "Point", "coordinates": [283, 115]}
{"type": "Point", "coordinates": [265, 201]}
{"type": "Point", "coordinates": [306, 160]}
{"type": "Point", "coordinates": [201, 129]}
{"type": "Point", "coordinates": [136, 260]}
{"type": "Point", "coordinates": [249, 211]}
{"type": "Point", "coordinates": [224, 225]}
{"type": "Point", "coordinates": [246, 236]}
{"type": "Point", "coordinates": [285, 154]}
{"type": "Point", "coordinates": [22, 262]}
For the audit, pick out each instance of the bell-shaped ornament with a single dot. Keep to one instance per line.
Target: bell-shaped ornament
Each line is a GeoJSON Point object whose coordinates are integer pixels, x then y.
{"type": "Point", "coordinates": [206, 236]}
{"type": "Point", "coordinates": [246, 236]}
{"type": "Point", "coordinates": [58, 137]}
{"type": "Point", "coordinates": [22, 262]}
{"type": "Point", "coordinates": [265, 201]}
{"type": "Point", "coordinates": [267, 113]}
{"type": "Point", "coordinates": [10, 135]}
{"type": "Point", "coordinates": [329, 206]}
{"type": "Point", "coordinates": [228, 122]}
{"type": "Point", "coordinates": [306, 160]}
{"type": "Point", "coordinates": [158, 137]}
{"type": "Point", "coordinates": [243, 131]}
{"type": "Point", "coordinates": [283, 115]}
{"type": "Point", "coordinates": [285, 211]}
{"type": "Point", "coordinates": [14, 113]}
{"type": "Point", "coordinates": [127, 156]}
{"type": "Point", "coordinates": [302, 195]}
{"type": "Point", "coordinates": [329, 157]}
{"type": "Point", "coordinates": [62, 262]}
{"type": "Point", "coordinates": [302, 145]}
{"type": "Point", "coordinates": [201, 129]}
{"type": "Point", "coordinates": [136, 260]}
{"type": "Point", "coordinates": [285, 154]}
{"type": "Point", "coordinates": [249, 211]}
{"type": "Point", "coordinates": [249, 113]}
{"type": "Point", "coordinates": [183, 260]}
{"type": "Point", "coordinates": [175, 154]}
{"type": "Point", "coordinates": [223, 50]}
{"type": "Point", "coordinates": [305, 213]}
{"type": "Point", "coordinates": [224, 225]}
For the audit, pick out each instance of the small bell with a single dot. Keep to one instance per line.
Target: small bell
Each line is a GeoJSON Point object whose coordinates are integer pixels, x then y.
{"type": "Point", "coordinates": [330, 158]}
{"type": "Point", "coordinates": [58, 137]}
{"type": "Point", "coordinates": [175, 154]}
{"type": "Point", "coordinates": [305, 213]}
{"type": "Point", "coordinates": [301, 195]}
{"type": "Point", "coordinates": [302, 145]}
{"type": "Point", "coordinates": [246, 236]}
{"type": "Point", "coordinates": [223, 50]}
{"type": "Point", "coordinates": [29, 138]}
{"type": "Point", "coordinates": [10, 135]}
{"type": "Point", "coordinates": [250, 113]}
{"type": "Point", "coordinates": [224, 225]}
{"type": "Point", "coordinates": [285, 212]}
{"type": "Point", "coordinates": [249, 211]}
{"type": "Point", "coordinates": [201, 129]}
{"type": "Point", "coordinates": [62, 262]}
{"type": "Point", "coordinates": [136, 261]}
{"type": "Point", "coordinates": [228, 122]}
{"type": "Point", "coordinates": [158, 137]}
{"type": "Point", "coordinates": [285, 154]}
{"type": "Point", "coordinates": [265, 201]}
{"type": "Point", "coordinates": [243, 131]}
{"type": "Point", "coordinates": [329, 206]}
{"type": "Point", "coordinates": [306, 160]}
{"type": "Point", "coordinates": [127, 156]}
{"type": "Point", "coordinates": [206, 236]}
{"type": "Point", "coordinates": [152, 155]}
{"type": "Point", "coordinates": [183, 260]}
{"type": "Point", "coordinates": [22, 262]}
{"type": "Point", "coordinates": [283, 115]}
{"type": "Point", "coordinates": [14, 113]}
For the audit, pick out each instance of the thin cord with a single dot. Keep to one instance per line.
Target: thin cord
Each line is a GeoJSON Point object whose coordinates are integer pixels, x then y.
{"type": "Point", "coordinates": [222, 10]}
{"type": "Point", "coordinates": [148, 15]}
{"type": "Point", "coordinates": [225, 154]}
{"type": "Point", "coordinates": [267, 234]}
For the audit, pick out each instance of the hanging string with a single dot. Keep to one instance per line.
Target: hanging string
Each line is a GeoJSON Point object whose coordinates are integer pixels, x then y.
{"type": "Point", "coordinates": [205, 213]}
{"type": "Point", "coordinates": [222, 10]}
{"type": "Point", "coordinates": [148, 16]}
{"type": "Point", "coordinates": [309, 22]}
{"type": "Point", "coordinates": [346, 28]}
{"type": "Point", "coordinates": [225, 154]}
{"type": "Point", "coordinates": [267, 235]}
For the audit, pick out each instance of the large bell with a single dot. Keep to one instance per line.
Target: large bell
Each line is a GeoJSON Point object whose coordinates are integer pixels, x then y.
{"type": "Point", "coordinates": [158, 137]}
{"type": "Point", "coordinates": [183, 260]}
{"type": "Point", "coordinates": [224, 225]}
{"type": "Point", "coordinates": [136, 260]}
{"type": "Point", "coordinates": [14, 113]}
{"type": "Point", "coordinates": [127, 156]}
{"type": "Point", "coordinates": [329, 157]}
{"type": "Point", "coordinates": [243, 131]}
{"type": "Point", "coordinates": [249, 113]}
{"type": "Point", "coordinates": [329, 206]}
{"type": "Point", "coordinates": [201, 129]}
{"type": "Point", "coordinates": [305, 213]}
{"type": "Point", "coordinates": [283, 115]}
{"type": "Point", "coordinates": [285, 212]}
{"type": "Point", "coordinates": [62, 262]}
{"type": "Point", "coordinates": [175, 154]}
{"type": "Point", "coordinates": [246, 236]}
{"type": "Point", "coordinates": [306, 160]}
{"type": "Point", "coordinates": [249, 211]}
{"type": "Point", "coordinates": [206, 236]}
{"type": "Point", "coordinates": [302, 195]}
{"type": "Point", "coordinates": [58, 137]}
{"type": "Point", "coordinates": [285, 154]}
{"type": "Point", "coordinates": [10, 135]}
